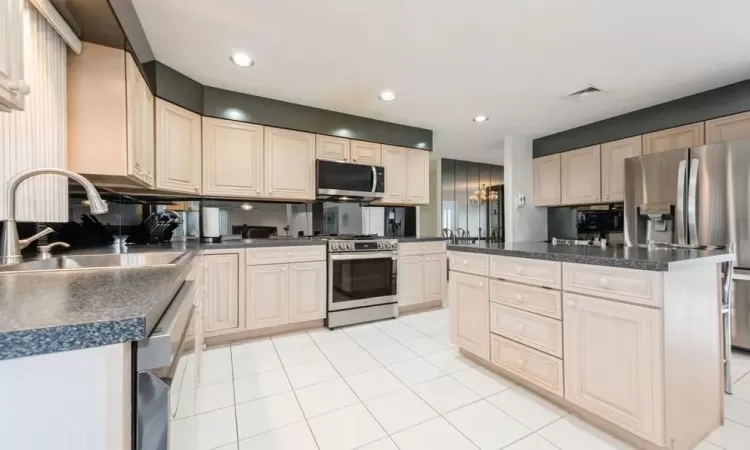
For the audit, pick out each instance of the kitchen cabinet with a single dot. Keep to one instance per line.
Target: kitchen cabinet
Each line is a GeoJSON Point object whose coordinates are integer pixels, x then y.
{"type": "Point", "coordinates": [613, 362]}
{"type": "Point", "coordinates": [728, 128]}
{"type": "Point", "coordinates": [470, 309]}
{"type": "Point", "coordinates": [434, 272]}
{"type": "Point", "coordinates": [366, 153]}
{"type": "Point", "coordinates": [395, 163]}
{"type": "Point", "coordinates": [232, 158]}
{"type": "Point", "coordinates": [267, 296]}
{"type": "Point", "coordinates": [331, 148]}
{"type": "Point", "coordinates": [221, 296]}
{"type": "Point", "coordinates": [674, 138]}
{"type": "Point", "coordinates": [547, 180]}
{"type": "Point", "coordinates": [422, 273]}
{"type": "Point", "coordinates": [178, 148]}
{"type": "Point", "coordinates": [613, 157]}
{"type": "Point", "coordinates": [289, 164]}
{"type": "Point", "coordinates": [410, 280]}
{"type": "Point", "coordinates": [417, 177]}
{"type": "Point", "coordinates": [307, 291]}
{"type": "Point", "coordinates": [581, 176]}
{"type": "Point", "coordinates": [110, 118]}
{"type": "Point", "coordinates": [13, 87]}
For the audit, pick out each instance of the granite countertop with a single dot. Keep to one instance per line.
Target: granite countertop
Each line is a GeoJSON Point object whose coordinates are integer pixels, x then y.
{"type": "Point", "coordinates": [406, 240]}
{"type": "Point", "coordinates": [626, 257]}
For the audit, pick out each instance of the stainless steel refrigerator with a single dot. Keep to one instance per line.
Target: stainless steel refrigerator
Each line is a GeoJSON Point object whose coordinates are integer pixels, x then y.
{"type": "Point", "coordinates": [697, 196]}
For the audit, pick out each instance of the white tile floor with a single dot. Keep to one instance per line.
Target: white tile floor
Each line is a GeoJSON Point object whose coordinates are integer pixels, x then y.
{"type": "Point", "coordinates": [397, 384]}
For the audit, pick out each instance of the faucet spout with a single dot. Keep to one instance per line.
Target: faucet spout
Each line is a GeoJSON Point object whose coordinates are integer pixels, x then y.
{"type": "Point", "coordinates": [10, 246]}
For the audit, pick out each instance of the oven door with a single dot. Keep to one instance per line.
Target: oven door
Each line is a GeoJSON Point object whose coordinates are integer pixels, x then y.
{"type": "Point", "coordinates": [361, 279]}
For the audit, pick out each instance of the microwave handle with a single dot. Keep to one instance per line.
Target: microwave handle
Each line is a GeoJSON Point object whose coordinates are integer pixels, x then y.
{"type": "Point", "coordinates": [374, 178]}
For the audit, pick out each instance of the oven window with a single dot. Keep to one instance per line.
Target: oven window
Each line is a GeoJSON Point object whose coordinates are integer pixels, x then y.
{"type": "Point", "coordinates": [362, 278]}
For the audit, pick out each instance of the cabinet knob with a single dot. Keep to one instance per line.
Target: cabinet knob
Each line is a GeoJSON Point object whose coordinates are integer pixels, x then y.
{"type": "Point", "coordinates": [519, 297]}
{"type": "Point", "coordinates": [520, 327]}
{"type": "Point", "coordinates": [19, 87]}
{"type": "Point", "coordinates": [148, 172]}
{"type": "Point", "coordinates": [571, 303]}
{"type": "Point", "coordinates": [197, 188]}
{"type": "Point", "coordinates": [602, 281]}
{"type": "Point", "coordinates": [521, 363]}
{"type": "Point", "coordinates": [466, 262]}
{"type": "Point", "coordinates": [519, 269]}
{"type": "Point", "coordinates": [481, 283]}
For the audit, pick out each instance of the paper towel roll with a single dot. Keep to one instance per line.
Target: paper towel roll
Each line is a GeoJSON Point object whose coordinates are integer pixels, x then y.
{"type": "Point", "coordinates": [210, 220]}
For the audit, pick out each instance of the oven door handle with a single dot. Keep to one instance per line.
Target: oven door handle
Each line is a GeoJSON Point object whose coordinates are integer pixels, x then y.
{"type": "Point", "coordinates": [363, 255]}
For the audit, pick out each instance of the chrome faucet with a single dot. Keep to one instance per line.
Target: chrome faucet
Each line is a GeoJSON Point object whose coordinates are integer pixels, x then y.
{"type": "Point", "coordinates": [11, 245]}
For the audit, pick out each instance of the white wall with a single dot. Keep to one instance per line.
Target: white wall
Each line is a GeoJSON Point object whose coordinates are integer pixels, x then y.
{"type": "Point", "coordinates": [37, 136]}
{"type": "Point", "coordinates": [527, 223]}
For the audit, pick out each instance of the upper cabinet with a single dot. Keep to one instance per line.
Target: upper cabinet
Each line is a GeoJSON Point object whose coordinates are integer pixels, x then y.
{"type": "Point", "coordinates": [729, 128]}
{"type": "Point", "coordinates": [674, 138]}
{"type": "Point", "coordinates": [394, 161]}
{"type": "Point", "coordinates": [331, 148]}
{"type": "Point", "coordinates": [366, 153]}
{"type": "Point", "coordinates": [407, 176]}
{"type": "Point", "coordinates": [547, 180]}
{"type": "Point", "coordinates": [417, 176]}
{"type": "Point", "coordinates": [13, 87]}
{"type": "Point", "coordinates": [581, 175]}
{"type": "Point", "coordinates": [178, 148]}
{"type": "Point", "coordinates": [289, 164]}
{"type": "Point", "coordinates": [614, 155]}
{"type": "Point", "coordinates": [232, 158]}
{"type": "Point", "coordinates": [110, 118]}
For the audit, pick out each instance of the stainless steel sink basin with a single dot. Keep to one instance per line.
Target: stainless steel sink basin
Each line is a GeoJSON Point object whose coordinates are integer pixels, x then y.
{"type": "Point", "coordinates": [83, 262]}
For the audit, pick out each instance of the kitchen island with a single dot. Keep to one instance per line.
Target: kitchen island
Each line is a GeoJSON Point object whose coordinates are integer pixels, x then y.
{"type": "Point", "coordinates": [629, 339]}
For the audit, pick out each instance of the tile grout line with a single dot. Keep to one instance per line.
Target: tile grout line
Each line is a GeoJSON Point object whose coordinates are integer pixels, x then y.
{"type": "Point", "coordinates": [234, 400]}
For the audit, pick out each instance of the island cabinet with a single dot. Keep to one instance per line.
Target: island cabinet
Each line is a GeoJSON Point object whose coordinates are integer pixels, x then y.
{"type": "Point", "coordinates": [635, 351]}
{"type": "Point", "coordinates": [422, 273]}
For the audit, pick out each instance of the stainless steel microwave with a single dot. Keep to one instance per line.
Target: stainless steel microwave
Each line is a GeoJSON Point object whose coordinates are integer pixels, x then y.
{"type": "Point", "coordinates": [345, 181]}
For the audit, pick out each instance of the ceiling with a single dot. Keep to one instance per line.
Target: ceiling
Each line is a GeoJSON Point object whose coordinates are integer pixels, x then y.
{"type": "Point", "coordinates": [448, 61]}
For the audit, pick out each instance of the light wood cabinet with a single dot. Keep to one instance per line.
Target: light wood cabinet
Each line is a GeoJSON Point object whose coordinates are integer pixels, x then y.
{"type": "Point", "coordinates": [410, 280]}
{"type": "Point", "coordinates": [221, 299]}
{"type": "Point", "coordinates": [178, 148]}
{"type": "Point", "coordinates": [435, 275]}
{"type": "Point", "coordinates": [232, 158]}
{"type": "Point", "coordinates": [12, 83]}
{"type": "Point", "coordinates": [674, 138]}
{"type": "Point", "coordinates": [547, 180]}
{"type": "Point", "coordinates": [581, 176]}
{"type": "Point", "coordinates": [332, 148]}
{"type": "Point", "coordinates": [110, 118]}
{"type": "Point", "coordinates": [289, 164]}
{"type": "Point", "coordinates": [470, 309]}
{"type": "Point", "coordinates": [395, 163]}
{"type": "Point", "coordinates": [614, 155]}
{"type": "Point", "coordinates": [728, 128]}
{"type": "Point", "coordinates": [366, 153]}
{"type": "Point", "coordinates": [307, 291]}
{"type": "Point", "coordinates": [417, 176]}
{"type": "Point", "coordinates": [532, 365]}
{"type": "Point", "coordinates": [267, 296]}
{"type": "Point", "coordinates": [613, 362]}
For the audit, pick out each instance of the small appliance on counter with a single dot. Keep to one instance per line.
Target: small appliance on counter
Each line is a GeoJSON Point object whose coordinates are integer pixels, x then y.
{"type": "Point", "coordinates": [211, 229]}
{"type": "Point", "coordinates": [254, 231]}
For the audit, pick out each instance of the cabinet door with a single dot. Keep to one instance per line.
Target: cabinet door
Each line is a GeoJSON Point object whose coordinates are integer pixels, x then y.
{"type": "Point", "coordinates": [267, 296]}
{"type": "Point", "coordinates": [470, 313]}
{"type": "Point", "coordinates": [729, 128]}
{"type": "Point", "coordinates": [178, 148]}
{"type": "Point", "coordinates": [581, 175]}
{"type": "Point", "coordinates": [674, 138]}
{"type": "Point", "coordinates": [140, 124]}
{"type": "Point", "coordinates": [613, 362]}
{"type": "Point", "coordinates": [331, 148]}
{"type": "Point", "coordinates": [547, 180]}
{"type": "Point", "coordinates": [366, 153]}
{"type": "Point", "coordinates": [614, 155]}
{"type": "Point", "coordinates": [435, 277]}
{"type": "Point", "coordinates": [410, 280]}
{"type": "Point", "coordinates": [417, 176]}
{"type": "Point", "coordinates": [394, 161]}
{"type": "Point", "coordinates": [289, 160]}
{"type": "Point", "coordinates": [307, 291]}
{"type": "Point", "coordinates": [11, 54]}
{"type": "Point", "coordinates": [232, 158]}
{"type": "Point", "coordinates": [221, 300]}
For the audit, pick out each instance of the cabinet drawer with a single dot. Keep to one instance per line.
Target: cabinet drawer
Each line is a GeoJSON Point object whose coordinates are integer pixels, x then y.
{"type": "Point", "coordinates": [531, 271]}
{"type": "Point", "coordinates": [276, 255]}
{"type": "Point", "coordinates": [473, 263]}
{"type": "Point", "coordinates": [541, 333]}
{"type": "Point", "coordinates": [537, 300]}
{"type": "Point", "coordinates": [533, 366]}
{"type": "Point", "coordinates": [421, 248]}
{"type": "Point", "coordinates": [629, 285]}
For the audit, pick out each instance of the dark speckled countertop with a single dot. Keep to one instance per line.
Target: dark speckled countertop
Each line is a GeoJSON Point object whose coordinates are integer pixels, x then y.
{"type": "Point", "coordinates": [626, 257]}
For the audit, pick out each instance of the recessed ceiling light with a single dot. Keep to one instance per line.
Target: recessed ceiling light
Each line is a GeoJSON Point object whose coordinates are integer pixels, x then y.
{"type": "Point", "coordinates": [387, 96]}
{"type": "Point", "coordinates": [242, 59]}
{"type": "Point", "coordinates": [480, 118]}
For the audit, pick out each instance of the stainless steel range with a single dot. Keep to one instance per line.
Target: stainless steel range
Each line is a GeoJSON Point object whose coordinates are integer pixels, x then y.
{"type": "Point", "coordinates": [362, 280]}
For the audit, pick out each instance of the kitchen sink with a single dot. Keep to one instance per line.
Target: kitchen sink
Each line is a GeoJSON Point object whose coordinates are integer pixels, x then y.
{"type": "Point", "coordinates": [83, 262]}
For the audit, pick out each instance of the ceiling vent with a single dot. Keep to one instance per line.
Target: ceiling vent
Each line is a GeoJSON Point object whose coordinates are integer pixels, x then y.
{"type": "Point", "coordinates": [587, 92]}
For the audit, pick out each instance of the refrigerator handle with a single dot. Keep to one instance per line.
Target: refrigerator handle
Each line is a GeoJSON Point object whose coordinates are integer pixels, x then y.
{"type": "Point", "coordinates": [727, 270]}
{"type": "Point", "coordinates": [679, 219]}
{"type": "Point", "coordinates": [692, 206]}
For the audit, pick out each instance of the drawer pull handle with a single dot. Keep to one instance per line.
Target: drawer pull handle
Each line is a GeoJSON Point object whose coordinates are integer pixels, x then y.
{"type": "Point", "coordinates": [521, 363]}
{"type": "Point", "coordinates": [602, 282]}
{"type": "Point", "coordinates": [571, 303]}
{"type": "Point", "coordinates": [519, 298]}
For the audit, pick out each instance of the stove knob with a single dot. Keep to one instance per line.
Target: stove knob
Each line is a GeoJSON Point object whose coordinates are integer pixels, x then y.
{"type": "Point", "coordinates": [334, 245]}
{"type": "Point", "coordinates": [350, 246]}
{"type": "Point", "coordinates": [381, 245]}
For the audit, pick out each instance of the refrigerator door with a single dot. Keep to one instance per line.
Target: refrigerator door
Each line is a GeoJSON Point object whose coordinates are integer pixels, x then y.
{"type": "Point", "coordinates": [655, 183]}
{"type": "Point", "coordinates": [741, 309]}
{"type": "Point", "coordinates": [713, 173]}
{"type": "Point", "coordinates": [736, 177]}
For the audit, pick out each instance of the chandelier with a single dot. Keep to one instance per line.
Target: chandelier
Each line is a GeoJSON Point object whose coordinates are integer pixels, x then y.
{"type": "Point", "coordinates": [483, 196]}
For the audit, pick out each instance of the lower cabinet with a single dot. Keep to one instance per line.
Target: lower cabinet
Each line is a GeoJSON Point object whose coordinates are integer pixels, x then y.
{"type": "Point", "coordinates": [421, 279]}
{"type": "Point", "coordinates": [435, 272]}
{"type": "Point", "coordinates": [221, 300]}
{"type": "Point", "coordinates": [612, 359]}
{"type": "Point", "coordinates": [470, 310]}
{"type": "Point", "coordinates": [307, 291]}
